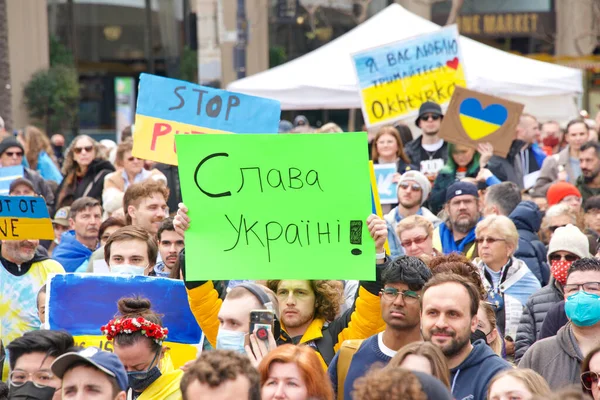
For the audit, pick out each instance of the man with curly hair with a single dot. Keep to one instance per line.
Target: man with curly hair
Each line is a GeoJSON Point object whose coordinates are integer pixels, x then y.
{"type": "Point", "coordinates": [221, 374]}
{"type": "Point", "coordinates": [403, 281]}
{"type": "Point", "coordinates": [307, 308]}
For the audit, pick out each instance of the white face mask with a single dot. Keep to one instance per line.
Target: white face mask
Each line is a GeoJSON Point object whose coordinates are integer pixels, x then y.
{"type": "Point", "coordinates": [127, 269]}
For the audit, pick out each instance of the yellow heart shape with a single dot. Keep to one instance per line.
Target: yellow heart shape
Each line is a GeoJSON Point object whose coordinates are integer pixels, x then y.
{"type": "Point", "coordinates": [477, 129]}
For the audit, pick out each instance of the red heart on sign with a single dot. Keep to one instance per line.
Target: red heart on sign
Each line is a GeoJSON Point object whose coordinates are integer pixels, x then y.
{"type": "Point", "coordinates": [453, 63]}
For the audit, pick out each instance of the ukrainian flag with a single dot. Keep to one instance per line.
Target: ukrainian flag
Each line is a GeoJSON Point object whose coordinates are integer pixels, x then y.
{"type": "Point", "coordinates": [81, 303]}
{"type": "Point", "coordinates": [478, 122]}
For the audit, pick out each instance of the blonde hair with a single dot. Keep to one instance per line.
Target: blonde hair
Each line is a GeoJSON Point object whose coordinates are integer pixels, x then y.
{"type": "Point", "coordinates": [414, 221]}
{"type": "Point", "coordinates": [490, 314]}
{"type": "Point", "coordinates": [501, 225]}
{"type": "Point", "coordinates": [330, 127]}
{"type": "Point", "coordinates": [36, 142]}
{"type": "Point", "coordinates": [534, 382]}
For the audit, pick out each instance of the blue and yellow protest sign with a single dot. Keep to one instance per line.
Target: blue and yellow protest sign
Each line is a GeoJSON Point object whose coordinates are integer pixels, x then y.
{"type": "Point", "coordinates": [262, 209]}
{"type": "Point", "coordinates": [81, 303]}
{"type": "Point", "coordinates": [24, 217]}
{"type": "Point", "coordinates": [386, 187]}
{"type": "Point", "coordinates": [167, 107]}
{"type": "Point", "coordinates": [7, 175]}
{"type": "Point", "coordinates": [395, 79]}
{"type": "Point", "coordinates": [474, 117]}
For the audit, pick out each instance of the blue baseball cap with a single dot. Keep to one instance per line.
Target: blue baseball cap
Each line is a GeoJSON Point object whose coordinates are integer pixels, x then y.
{"type": "Point", "coordinates": [106, 362]}
{"type": "Point", "coordinates": [460, 189]}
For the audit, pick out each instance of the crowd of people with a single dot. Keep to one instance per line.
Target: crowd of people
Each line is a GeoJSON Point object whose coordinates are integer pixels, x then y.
{"type": "Point", "coordinates": [490, 288]}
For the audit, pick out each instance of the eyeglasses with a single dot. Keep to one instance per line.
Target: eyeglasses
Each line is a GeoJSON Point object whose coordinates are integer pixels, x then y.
{"type": "Point", "coordinates": [552, 228]}
{"type": "Point", "coordinates": [39, 378]}
{"type": "Point", "coordinates": [567, 257]}
{"type": "Point", "coordinates": [131, 159]}
{"type": "Point", "coordinates": [417, 240]}
{"type": "Point", "coordinates": [14, 153]}
{"type": "Point", "coordinates": [589, 379]}
{"type": "Point", "coordinates": [434, 117]}
{"type": "Point", "coordinates": [390, 294]}
{"type": "Point", "coordinates": [572, 199]}
{"type": "Point", "coordinates": [415, 187]}
{"type": "Point", "coordinates": [588, 287]}
{"type": "Point", "coordinates": [490, 240]}
{"type": "Point", "coordinates": [78, 150]}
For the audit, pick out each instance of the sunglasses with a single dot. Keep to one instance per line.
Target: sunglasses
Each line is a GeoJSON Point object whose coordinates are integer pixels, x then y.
{"type": "Point", "coordinates": [558, 257]}
{"type": "Point", "coordinates": [88, 149]}
{"type": "Point", "coordinates": [552, 228]}
{"type": "Point", "coordinates": [589, 379]}
{"type": "Point", "coordinates": [434, 117]}
{"type": "Point", "coordinates": [417, 240]}
{"type": "Point", "coordinates": [14, 153]}
{"type": "Point", "coordinates": [490, 240]}
{"type": "Point", "coordinates": [415, 187]}
{"type": "Point", "coordinates": [131, 159]}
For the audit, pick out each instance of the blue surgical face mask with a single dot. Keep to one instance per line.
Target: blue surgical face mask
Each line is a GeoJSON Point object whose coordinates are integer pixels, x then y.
{"type": "Point", "coordinates": [583, 309]}
{"type": "Point", "coordinates": [127, 269]}
{"type": "Point", "coordinates": [231, 340]}
{"type": "Point", "coordinates": [139, 381]}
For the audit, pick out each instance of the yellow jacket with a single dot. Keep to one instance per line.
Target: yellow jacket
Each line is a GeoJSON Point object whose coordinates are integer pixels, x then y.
{"type": "Point", "coordinates": [167, 386]}
{"type": "Point", "coordinates": [359, 322]}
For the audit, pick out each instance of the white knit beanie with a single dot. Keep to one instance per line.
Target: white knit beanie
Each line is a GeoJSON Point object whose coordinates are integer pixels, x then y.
{"type": "Point", "coordinates": [421, 179]}
{"type": "Point", "coordinates": [569, 238]}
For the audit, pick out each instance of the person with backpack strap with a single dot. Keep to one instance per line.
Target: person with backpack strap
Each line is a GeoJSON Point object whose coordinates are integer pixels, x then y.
{"type": "Point", "coordinates": [403, 280]}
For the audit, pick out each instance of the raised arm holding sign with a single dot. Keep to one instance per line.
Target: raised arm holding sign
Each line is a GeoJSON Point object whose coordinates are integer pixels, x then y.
{"type": "Point", "coordinates": [269, 211]}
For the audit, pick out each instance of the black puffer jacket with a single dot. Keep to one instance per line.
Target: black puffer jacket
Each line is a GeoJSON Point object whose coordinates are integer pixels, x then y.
{"type": "Point", "coordinates": [535, 311]}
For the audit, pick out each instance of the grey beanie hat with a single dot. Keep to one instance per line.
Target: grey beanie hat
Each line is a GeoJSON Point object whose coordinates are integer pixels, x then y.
{"type": "Point", "coordinates": [569, 238]}
{"type": "Point", "coordinates": [421, 179]}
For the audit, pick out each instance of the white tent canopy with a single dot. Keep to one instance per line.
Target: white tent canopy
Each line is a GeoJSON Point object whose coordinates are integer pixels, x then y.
{"type": "Point", "coordinates": [325, 78]}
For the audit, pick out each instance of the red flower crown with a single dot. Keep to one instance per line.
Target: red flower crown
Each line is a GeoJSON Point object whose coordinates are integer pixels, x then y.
{"type": "Point", "coordinates": [149, 329]}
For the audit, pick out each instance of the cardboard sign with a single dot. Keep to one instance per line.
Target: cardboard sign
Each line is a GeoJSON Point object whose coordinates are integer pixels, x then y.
{"type": "Point", "coordinates": [81, 303]}
{"type": "Point", "coordinates": [386, 188]}
{"type": "Point", "coordinates": [395, 79]}
{"type": "Point", "coordinates": [7, 175]}
{"type": "Point", "coordinates": [167, 107]}
{"type": "Point", "coordinates": [23, 218]}
{"type": "Point", "coordinates": [262, 209]}
{"type": "Point", "coordinates": [474, 117]}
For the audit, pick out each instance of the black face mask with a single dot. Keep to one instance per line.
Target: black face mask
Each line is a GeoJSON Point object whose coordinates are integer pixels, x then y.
{"type": "Point", "coordinates": [478, 334]}
{"type": "Point", "coordinates": [29, 391]}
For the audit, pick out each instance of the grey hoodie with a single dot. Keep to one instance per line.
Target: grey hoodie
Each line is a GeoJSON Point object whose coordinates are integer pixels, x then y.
{"type": "Point", "coordinates": [558, 358]}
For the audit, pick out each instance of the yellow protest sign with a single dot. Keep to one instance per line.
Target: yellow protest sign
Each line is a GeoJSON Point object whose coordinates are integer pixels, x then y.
{"type": "Point", "coordinates": [395, 79]}
{"type": "Point", "coordinates": [23, 218]}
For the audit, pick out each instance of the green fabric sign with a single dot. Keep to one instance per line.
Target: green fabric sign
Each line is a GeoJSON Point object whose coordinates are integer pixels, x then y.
{"type": "Point", "coordinates": [277, 206]}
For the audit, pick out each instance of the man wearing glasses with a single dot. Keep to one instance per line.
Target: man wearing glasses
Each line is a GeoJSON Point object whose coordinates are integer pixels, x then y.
{"type": "Point", "coordinates": [403, 282]}
{"type": "Point", "coordinates": [568, 244]}
{"type": "Point", "coordinates": [30, 357]}
{"type": "Point", "coordinates": [457, 233]}
{"type": "Point", "coordinates": [428, 151]}
{"type": "Point", "coordinates": [11, 154]}
{"type": "Point", "coordinates": [558, 359]}
{"type": "Point", "coordinates": [413, 191]}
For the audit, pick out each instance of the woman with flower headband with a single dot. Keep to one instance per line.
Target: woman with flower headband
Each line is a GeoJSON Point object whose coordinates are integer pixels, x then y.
{"type": "Point", "coordinates": [138, 337]}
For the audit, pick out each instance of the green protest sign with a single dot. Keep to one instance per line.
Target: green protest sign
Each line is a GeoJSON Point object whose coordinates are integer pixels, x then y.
{"type": "Point", "coordinates": [276, 206]}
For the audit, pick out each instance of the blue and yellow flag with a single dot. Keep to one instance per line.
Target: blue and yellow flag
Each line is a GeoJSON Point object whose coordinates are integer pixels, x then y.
{"type": "Point", "coordinates": [81, 303]}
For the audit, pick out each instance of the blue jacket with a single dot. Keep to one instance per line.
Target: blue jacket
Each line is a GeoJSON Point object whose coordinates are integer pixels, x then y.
{"type": "Point", "coordinates": [527, 217]}
{"type": "Point", "coordinates": [470, 380]}
{"type": "Point", "coordinates": [47, 169]}
{"type": "Point", "coordinates": [71, 254]}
